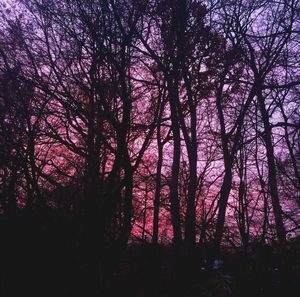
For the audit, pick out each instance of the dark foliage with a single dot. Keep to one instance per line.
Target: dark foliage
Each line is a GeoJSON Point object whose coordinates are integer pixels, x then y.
{"type": "Point", "coordinates": [47, 256]}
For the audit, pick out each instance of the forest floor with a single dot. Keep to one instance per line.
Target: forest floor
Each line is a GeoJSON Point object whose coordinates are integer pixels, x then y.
{"type": "Point", "coordinates": [47, 260]}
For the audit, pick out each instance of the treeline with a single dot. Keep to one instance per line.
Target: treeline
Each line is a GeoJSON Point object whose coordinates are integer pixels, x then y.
{"type": "Point", "coordinates": [153, 120]}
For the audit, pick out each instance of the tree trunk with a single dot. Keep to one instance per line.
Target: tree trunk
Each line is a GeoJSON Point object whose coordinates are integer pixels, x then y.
{"type": "Point", "coordinates": [272, 170]}
{"type": "Point", "coordinates": [157, 187]}
{"type": "Point", "coordinates": [126, 226]}
{"type": "Point", "coordinates": [190, 220]}
{"type": "Point", "coordinates": [224, 195]}
{"type": "Point", "coordinates": [174, 197]}
{"type": "Point", "coordinates": [243, 221]}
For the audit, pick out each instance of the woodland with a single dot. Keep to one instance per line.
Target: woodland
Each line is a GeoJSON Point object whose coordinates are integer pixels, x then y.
{"type": "Point", "coordinates": [149, 148]}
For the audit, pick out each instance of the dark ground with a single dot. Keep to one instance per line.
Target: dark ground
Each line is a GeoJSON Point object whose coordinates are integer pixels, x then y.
{"type": "Point", "coordinates": [42, 259]}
